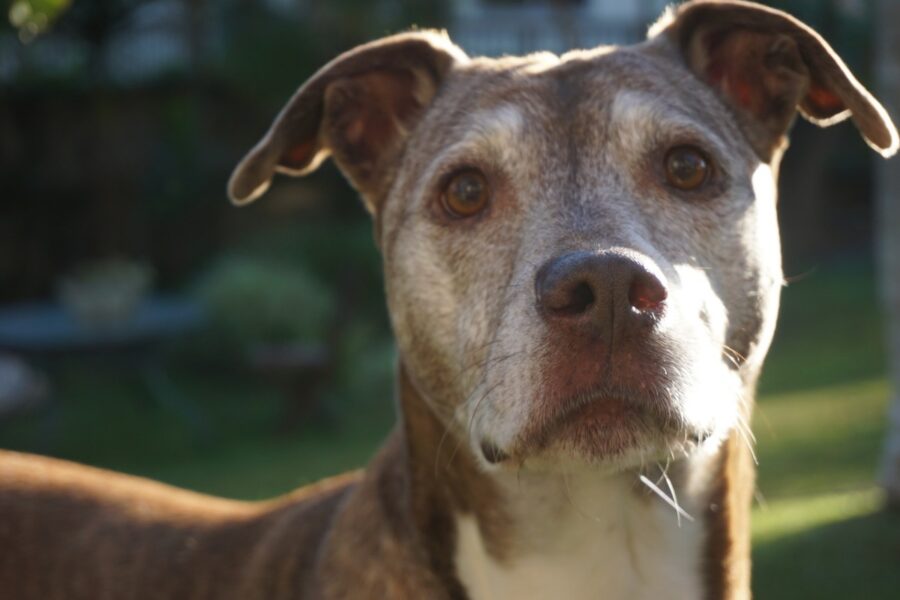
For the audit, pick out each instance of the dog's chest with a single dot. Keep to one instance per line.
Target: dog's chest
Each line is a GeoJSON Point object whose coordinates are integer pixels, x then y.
{"type": "Point", "coordinates": [600, 549]}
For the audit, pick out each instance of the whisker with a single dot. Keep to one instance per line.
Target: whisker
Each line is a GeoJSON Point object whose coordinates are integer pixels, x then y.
{"type": "Point", "coordinates": [673, 503]}
{"type": "Point", "coordinates": [471, 420]}
{"type": "Point", "coordinates": [437, 454]}
{"type": "Point", "coordinates": [760, 499]}
{"type": "Point", "coordinates": [478, 405]}
{"type": "Point", "coordinates": [733, 356]}
{"type": "Point", "coordinates": [746, 427]}
{"type": "Point", "coordinates": [571, 500]}
{"type": "Point", "coordinates": [488, 361]}
{"type": "Point", "coordinates": [467, 368]}
{"type": "Point", "coordinates": [665, 476]}
{"type": "Point", "coordinates": [746, 435]}
{"type": "Point", "coordinates": [734, 352]}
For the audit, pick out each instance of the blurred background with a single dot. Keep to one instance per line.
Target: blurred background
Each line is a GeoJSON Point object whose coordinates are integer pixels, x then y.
{"type": "Point", "coordinates": [148, 326]}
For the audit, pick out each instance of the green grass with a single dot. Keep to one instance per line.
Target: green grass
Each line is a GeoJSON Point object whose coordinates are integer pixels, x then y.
{"type": "Point", "coordinates": [820, 441]}
{"type": "Point", "coordinates": [106, 419]}
{"type": "Point", "coordinates": [827, 546]}
{"type": "Point", "coordinates": [819, 533]}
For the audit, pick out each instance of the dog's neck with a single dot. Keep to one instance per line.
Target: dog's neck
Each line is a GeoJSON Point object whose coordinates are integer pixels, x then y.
{"type": "Point", "coordinates": [527, 534]}
{"type": "Point", "coordinates": [576, 534]}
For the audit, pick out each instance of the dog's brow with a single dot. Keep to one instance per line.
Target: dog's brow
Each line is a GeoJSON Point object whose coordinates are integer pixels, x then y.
{"type": "Point", "coordinates": [498, 125]}
{"type": "Point", "coordinates": [492, 131]}
{"type": "Point", "coordinates": [639, 115]}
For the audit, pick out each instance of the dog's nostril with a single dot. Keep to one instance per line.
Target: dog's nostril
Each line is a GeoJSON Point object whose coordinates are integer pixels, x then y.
{"type": "Point", "coordinates": [579, 298]}
{"type": "Point", "coordinates": [560, 293]}
{"type": "Point", "coordinates": [646, 293]}
{"type": "Point", "coordinates": [492, 453]}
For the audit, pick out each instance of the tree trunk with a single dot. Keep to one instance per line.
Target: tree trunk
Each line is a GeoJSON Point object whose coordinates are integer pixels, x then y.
{"type": "Point", "coordinates": [888, 189]}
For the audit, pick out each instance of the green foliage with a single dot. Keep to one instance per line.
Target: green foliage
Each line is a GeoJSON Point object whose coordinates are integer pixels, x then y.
{"type": "Point", "coordinates": [254, 301]}
{"type": "Point", "coordinates": [339, 252]}
{"type": "Point", "coordinates": [269, 54]}
{"type": "Point", "coordinates": [32, 17]}
{"type": "Point", "coordinates": [266, 57]}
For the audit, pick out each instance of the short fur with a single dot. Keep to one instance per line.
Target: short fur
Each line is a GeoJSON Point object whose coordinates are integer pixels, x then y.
{"type": "Point", "coordinates": [526, 443]}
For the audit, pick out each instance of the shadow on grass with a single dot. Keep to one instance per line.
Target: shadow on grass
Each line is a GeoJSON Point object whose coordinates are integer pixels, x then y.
{"type": "Point", "coordinates": [820, 441]}
{"type": "Point", "coordinates": [830, 331]}
{"type": "Point", "coordinates": [853, 558]}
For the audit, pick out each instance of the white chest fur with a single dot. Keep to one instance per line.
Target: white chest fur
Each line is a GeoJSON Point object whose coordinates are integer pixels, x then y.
{"type": "Point", "coordinates": [587, 537]}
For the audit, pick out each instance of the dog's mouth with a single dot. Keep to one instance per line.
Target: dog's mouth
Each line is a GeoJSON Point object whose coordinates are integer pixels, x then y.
{"type": "Point", "coordinates": [594, 426]}
{"type": "Point", "coordinates": [603, 414]}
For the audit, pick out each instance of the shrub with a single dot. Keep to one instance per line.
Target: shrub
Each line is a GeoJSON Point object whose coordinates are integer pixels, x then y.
{"type": "Point", "coordinates": [261, 302]}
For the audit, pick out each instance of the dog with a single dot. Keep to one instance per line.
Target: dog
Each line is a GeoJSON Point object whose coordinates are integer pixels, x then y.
{"type": "Point", "coordinates": [582, 267]}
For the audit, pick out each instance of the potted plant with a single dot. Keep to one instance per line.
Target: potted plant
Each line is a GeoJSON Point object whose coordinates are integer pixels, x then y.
{"type": "Point", "coordinates": [278, 317]}
{"type": "Point", "coordinates": [105, 294]}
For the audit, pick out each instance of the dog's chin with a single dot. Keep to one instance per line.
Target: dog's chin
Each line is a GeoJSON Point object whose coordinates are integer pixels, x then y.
{"type": "Point", "coordinates": [609, 434]}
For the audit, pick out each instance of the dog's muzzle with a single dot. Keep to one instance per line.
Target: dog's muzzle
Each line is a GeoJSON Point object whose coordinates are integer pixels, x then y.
{"type": "Point", "coordinates": [605, 295]}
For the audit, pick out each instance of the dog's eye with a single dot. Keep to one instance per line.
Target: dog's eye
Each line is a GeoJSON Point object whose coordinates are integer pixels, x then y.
{"type": "Point", "coordinates": [467, 194]}
{"type": "Point", "coordinates": [687, 168]}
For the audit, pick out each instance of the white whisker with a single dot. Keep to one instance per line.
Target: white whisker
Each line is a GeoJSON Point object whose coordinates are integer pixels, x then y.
{"type": "Point", "coordinates": [746, 426]}
{"type": "Point", "coordinates": [760, 499]}
{"type": "Point", "coordinates": [743, 430]}
{"type": "Point", "coordinates": [665, 476]}
{"type": "Point", "coordinates": [673, 503]}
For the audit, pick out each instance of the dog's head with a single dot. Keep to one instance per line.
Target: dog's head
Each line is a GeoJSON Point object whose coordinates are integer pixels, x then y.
{"type": "Point", "coordinates": [581, 252]}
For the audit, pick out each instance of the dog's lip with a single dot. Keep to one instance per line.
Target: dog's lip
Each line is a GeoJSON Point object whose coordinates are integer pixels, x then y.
{"type": "Point", "coordinates": [596, 409]}
{"type": "Point", "coordinates": [583, 410]}
{"type": "Point", "coordinates": [619, 411]}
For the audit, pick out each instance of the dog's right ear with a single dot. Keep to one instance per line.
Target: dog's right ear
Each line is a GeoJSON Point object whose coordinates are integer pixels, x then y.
{"type": "Point", "coordinates": [358, 108]}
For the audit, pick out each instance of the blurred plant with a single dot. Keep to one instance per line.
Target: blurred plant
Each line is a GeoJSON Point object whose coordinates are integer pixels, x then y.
{"type": "Point", "coordinates": [253, 302]}
{"type": "Point", "coordinates": [32, 17]}
{"type": "Point", "coordinates": [105, 293]}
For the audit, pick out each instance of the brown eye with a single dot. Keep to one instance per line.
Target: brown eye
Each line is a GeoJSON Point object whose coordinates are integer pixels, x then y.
{"type": "Point", "coordinates": [687, 168]}
{"type": "Point", "coordinates": [467, 194]}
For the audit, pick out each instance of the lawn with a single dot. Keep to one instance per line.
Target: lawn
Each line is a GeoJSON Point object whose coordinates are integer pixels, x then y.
{"type": "Point", "coordinates": [818, 531]}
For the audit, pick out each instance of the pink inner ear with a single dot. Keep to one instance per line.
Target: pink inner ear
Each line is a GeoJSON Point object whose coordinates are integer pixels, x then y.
{"type": "Point", "coordinates": [740, 82]}
{"type": "Point", "coordinates": [825, 103]}
{"type": "Point", "coordinates": [298, 156]}
{"type": "Point", "coordinates": [734, 67]}
{"type": "Point", "coordinates": [759, 72]}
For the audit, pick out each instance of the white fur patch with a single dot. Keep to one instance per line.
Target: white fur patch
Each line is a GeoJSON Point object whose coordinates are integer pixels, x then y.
{"type": "Point", "coordinates": [593, 537]}
{"type": "Point", "coordinates": [639, 115]}
{"type": "Point", "coordinates": [496, 130]}
{"type": "Point", "coordinates": [493, 132]}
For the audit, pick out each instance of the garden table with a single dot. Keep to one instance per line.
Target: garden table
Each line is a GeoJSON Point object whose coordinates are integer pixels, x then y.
{"type": "Point", "coordinates": [48, 332]}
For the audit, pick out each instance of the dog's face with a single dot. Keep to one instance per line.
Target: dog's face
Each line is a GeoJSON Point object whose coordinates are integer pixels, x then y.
{"type": "Point", "coordinates": [581, 252]}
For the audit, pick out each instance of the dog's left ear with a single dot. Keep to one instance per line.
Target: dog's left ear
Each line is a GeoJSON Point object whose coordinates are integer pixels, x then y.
{"type": "Point", "coordinates": [358, 108]}
{"type": "Point", "coordinates": [767, 65]}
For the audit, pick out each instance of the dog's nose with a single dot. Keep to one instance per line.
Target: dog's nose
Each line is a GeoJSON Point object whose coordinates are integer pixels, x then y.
{"type": "Point", "coordinates": [603, 289]}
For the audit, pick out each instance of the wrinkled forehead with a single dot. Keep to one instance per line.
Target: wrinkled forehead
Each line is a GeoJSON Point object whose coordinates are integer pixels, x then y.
{"type": "Point", "coordinates": [566, 104]}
